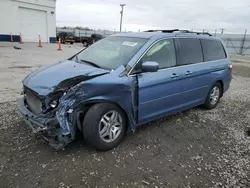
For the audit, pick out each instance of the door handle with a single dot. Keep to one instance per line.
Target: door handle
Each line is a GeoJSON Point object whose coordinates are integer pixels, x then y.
{"type": "Point", "coordinates": [188, 73]}
{"type": "Point", "coordinates": [174, 75]}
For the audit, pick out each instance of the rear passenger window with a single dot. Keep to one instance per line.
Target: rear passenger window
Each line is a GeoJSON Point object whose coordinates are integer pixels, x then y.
{"type": "Point", "coordinates": [212, 50]}
{"type": "Point", "coordinates": [190, 51]}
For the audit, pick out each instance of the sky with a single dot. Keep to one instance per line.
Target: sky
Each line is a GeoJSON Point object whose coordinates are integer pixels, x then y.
{"type": "Point", "coordinates": [232, 15]}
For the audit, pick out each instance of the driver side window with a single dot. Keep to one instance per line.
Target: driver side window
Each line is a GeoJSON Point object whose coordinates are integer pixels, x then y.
{"type": "Point", "coordinates": [163, 52]}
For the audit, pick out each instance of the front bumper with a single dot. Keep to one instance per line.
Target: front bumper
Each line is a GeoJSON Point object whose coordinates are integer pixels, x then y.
{"type": "Point", "coordinates": [49, 128]}
{"type": "Point", "coordinates": [36, 123]}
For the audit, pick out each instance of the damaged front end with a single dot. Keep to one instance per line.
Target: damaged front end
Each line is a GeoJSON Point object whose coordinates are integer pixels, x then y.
{"type": "Point", "coordinates": [45, 124]}
{"type": "Point", "coordinates": [52, 115]}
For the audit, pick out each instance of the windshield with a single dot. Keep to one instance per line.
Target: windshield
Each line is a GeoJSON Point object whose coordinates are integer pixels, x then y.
{"type": "Point", "coordinates": [111, 52]}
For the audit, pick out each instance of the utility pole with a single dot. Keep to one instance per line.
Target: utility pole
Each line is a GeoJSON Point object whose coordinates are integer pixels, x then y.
{"type": "Point", "coordinates": [222, 30]}
{"type": "Point", "coordinates": [122, 5]}
{"type": "Point", "coordinates": [242, 43]}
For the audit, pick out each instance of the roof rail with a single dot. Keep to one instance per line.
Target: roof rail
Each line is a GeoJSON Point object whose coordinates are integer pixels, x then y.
{"type": "Point", "coordinates": [180, 31]}
{"type": "Point", "coordinates": [163, 31]}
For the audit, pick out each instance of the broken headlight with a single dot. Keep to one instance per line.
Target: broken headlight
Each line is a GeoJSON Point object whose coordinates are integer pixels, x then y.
{"type": "Point", "coordinates": [53, 103]}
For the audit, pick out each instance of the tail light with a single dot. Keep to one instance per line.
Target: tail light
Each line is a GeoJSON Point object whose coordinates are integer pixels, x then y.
{"type": "Point", "coordinates": [230, 67]}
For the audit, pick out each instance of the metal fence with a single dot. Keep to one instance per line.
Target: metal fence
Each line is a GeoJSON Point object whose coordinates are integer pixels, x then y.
{"type": "Point", "coordinates": [87, 33]}
{"type": "Point", "coordinates": [238, 44]}
{"type": "Point", "coordinates": [235, 43]}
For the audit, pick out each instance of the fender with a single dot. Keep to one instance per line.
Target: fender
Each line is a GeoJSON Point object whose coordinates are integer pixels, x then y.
{"type": "Point", "coordinates": [123, 93]}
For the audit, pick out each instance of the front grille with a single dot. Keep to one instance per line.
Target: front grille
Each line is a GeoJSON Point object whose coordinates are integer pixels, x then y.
{"type": "Point", "coordinates": [33, 102]}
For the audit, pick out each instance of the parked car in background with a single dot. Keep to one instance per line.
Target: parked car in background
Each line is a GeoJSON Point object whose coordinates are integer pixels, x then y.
{"type": "Point", "coordinates": [123, 81]}
{"type": "Point", "coordinates": [86, 41]}
{"type": "Point", "coordinates": [66, 37]}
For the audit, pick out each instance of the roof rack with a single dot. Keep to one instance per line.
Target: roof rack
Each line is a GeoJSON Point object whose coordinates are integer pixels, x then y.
{"type": "Point", "coordinates": [163, 31]}
{"type": "Point", "coordinates": [180, 31]}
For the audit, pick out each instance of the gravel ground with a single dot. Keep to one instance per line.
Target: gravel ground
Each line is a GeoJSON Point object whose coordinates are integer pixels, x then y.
{"type": "Point", "coordinates": [195, 148]}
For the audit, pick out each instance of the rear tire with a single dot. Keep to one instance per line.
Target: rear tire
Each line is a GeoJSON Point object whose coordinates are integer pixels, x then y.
{"type": "Point", "coordinates": [104, 126]}
{"type": "Point", "coordinates": [213, 97]}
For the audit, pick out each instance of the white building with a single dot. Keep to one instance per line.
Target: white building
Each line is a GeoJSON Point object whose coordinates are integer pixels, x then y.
{"type": "Point", "coordinates": [31, 18]}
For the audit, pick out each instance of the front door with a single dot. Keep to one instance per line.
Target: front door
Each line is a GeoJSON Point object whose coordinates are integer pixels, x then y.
{"type": "Point", "coordinates": [158, 92]}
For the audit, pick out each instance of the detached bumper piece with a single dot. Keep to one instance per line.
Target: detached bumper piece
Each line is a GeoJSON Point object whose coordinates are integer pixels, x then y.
{"type": "Point", "coordinates": [56, 139]}
{"type": "Point", "coordinates": [49, 128]}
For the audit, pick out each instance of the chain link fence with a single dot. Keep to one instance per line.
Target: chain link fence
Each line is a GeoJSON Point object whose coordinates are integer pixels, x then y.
{"type": "Point", "coordinates": [87, 33]}
{"type": "Point", "coordinates": [238, 44]}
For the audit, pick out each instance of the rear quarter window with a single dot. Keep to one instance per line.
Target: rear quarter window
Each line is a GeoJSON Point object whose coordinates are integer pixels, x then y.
{"type": "Point", "coordinates": [190, 51]}
{"type": "Point", "coordinates": [212, 50]}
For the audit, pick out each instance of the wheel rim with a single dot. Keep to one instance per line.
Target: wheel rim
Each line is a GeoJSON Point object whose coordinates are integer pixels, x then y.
{"type": "Point", "coordinates": [214, 95]}
{"type": "Point", "coordinates": [110, 126]}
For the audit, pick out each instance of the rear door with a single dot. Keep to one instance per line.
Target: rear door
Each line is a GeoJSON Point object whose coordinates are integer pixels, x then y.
{"type": "Point", "coordinates": [216, 59]}
{"type": "Point", "coordinates": [158, 92]}
{"type": "Point", "coordinates": [198, 75]}
{"type": "Point", "coordinates": [195, 81]}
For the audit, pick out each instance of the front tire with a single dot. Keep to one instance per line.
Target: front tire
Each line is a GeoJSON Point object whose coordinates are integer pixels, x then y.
{"type": "Point", "coordinates": [104, 126]}
{"type": "Point", "coordinates": [213, 97]}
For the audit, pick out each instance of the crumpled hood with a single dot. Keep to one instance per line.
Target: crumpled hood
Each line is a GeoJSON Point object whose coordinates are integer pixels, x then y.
{"type": "Point", "coordinates": [65, 74]}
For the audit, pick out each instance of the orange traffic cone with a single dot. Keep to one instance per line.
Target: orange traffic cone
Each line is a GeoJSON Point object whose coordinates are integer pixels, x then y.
{"type": "Point", "coordinates": [40, 42]}
{"type": "Point", "coordinates": [21, 39]}
{"type": "Point", "coordinates": [59, 44]}
{"type": "Point", "coordinates": [11, 37]}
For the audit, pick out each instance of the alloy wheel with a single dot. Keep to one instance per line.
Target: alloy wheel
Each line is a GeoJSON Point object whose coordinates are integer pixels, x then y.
{"type": "Point", "coordinates": [110, 126]}
{"type": "Point", "coordinates": [214, 95]}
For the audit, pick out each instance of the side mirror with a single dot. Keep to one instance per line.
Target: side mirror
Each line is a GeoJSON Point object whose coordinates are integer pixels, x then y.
{"type": "Point", "coordinates": [150, 66]}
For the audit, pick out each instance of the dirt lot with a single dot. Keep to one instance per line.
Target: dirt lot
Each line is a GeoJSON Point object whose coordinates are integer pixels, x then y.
{"type": "Point", "coordinates": [196, 148]}
{"type": "Point", "coordinates": [16, 64]}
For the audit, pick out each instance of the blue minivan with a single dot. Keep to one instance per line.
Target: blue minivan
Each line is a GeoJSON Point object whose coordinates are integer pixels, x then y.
{"type": "Point", "coordinates": [122, 81]}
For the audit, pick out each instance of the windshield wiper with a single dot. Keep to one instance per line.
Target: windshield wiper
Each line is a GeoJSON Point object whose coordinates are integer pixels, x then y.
{"type": "Point", "coordinates": [77, 59]}
{"type": "Point", "coordinates": [91, 63]}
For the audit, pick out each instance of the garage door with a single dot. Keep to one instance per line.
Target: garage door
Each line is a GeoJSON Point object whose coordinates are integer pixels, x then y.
{"type": "Point", "coordinates": [32, 23]}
